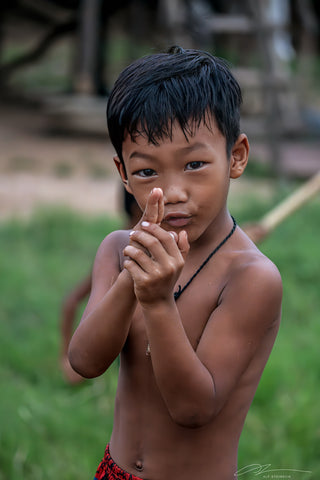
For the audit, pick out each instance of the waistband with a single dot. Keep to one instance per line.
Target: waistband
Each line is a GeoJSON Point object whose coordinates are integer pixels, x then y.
{"type": "Point", "coordinates": [109, 470]}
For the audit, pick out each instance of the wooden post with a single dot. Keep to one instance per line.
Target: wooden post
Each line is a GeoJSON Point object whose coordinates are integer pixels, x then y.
{"type": "Point", "coordinates": [88, 62]}
{"type": "Point", "coordinates": [268, 75]}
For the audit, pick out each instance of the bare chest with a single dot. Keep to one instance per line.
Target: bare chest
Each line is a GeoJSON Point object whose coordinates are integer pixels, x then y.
{"type": "Point", "coordinates": [196, 304]}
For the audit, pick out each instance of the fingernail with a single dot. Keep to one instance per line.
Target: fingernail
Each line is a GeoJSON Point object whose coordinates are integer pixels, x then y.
{"type": "Point", "coordinates": [131, 233]}
{"type": "Point", "coordinates": [145, 224]}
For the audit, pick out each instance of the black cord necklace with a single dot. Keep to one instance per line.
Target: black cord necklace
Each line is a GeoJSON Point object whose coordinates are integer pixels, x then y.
{"type": "Point", "coordinates": [181, 290]}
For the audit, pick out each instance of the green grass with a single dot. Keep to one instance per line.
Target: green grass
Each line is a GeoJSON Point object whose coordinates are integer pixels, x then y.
{"type": "Point", "coordinates": [283, 425]}
{"type": "Point", "coordinates": [50, 430]}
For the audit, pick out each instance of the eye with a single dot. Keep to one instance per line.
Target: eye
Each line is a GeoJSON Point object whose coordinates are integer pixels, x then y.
{"type": "Point", "coordinates": [145, 173]}
{"type": "Point", "coordinates": [194, 165]}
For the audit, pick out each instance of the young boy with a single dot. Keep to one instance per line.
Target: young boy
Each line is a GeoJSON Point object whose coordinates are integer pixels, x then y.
{"type": "Point", "coordinates": [186, 298]}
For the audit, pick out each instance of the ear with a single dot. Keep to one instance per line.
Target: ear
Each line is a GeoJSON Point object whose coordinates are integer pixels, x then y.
{"type": "Point", "coordinates": [122, 172]}
{"type": "Point", "coordinates": [239, 156]}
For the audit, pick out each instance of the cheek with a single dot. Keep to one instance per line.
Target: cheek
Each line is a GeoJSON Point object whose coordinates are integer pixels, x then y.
{"type": "Point", "coordinates": [207, 194]}
{"type": "Point", "coordinates": [211, 196]}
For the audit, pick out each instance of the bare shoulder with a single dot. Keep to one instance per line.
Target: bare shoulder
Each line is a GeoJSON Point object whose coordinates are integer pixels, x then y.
{"type": "Point", "coordinates": [109, 258]}
{"type": "Point", "coordinates": [257, 266]}
{"type": "Point", "coordinates": [255, 282]}
{"type": "Point", "coordinates": [112, 246]}
{"type": "Point", "coordinates": [115, 239]}
{"type": "Point", "coordinates": [107, 265]}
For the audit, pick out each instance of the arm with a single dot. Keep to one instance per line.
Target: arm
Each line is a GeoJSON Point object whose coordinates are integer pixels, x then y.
{"type": "Point", "coordinates": [105, 323]}
{"type": "Point", "coordinates": [246, 321]}
{"type": "Point", "coordinates": [69, 308]}
{"type": "Point", "coordinates": [68, 317]}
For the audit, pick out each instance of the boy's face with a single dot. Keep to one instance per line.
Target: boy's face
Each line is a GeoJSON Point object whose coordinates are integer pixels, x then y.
{"type": "Point", "coordinates": [193, 173]}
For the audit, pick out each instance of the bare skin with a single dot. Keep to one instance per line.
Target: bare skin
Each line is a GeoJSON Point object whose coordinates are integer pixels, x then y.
{"type": "Point", "coordinates": [70, 306]}
{"type": "Point", "coordinates": [68, 317]}
{"type": "Point", "coordinates": [180, 411]}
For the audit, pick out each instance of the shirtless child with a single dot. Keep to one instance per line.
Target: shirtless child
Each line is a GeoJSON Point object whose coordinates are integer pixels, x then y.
{"type": "Point", "coordinates": [186, 298]}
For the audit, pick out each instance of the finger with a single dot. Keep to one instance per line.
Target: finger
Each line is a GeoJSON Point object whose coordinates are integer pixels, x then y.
{"type": "Point", "coordinates": [151, 213]}
{"type": "Point", "coordinates": [174, 235]}
{"type": "Point", "coordinates": [160, 243]}
{"type": "Point", "coordinates": [134, 243]}
{"type": "Point", "coordinates": [183, 243]}
{"type": "Point", "coordinates": [133, 268]}
{"type": "Point", "coordinates": [140, 257]}
{"type": "Point", "coordinates": [148, 244]}
{"type": "Point", "coordinates": [136, 273]}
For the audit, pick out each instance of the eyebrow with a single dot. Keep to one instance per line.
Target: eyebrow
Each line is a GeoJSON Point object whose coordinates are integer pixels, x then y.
{"type": "Point", "coordinates": [195, 146]}
{"type": "Point", "coordinates": [137, 154]}
{"type": "Point", "coordinates": [188, 149]}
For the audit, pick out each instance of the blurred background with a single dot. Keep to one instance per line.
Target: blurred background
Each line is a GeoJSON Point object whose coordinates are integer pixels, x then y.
{"type": "Point", "coordinates": [59, 59]}
{"type": "Point", "coordinates": [60, 195]}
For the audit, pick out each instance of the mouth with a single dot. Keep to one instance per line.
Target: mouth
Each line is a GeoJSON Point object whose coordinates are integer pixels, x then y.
{"type": "Point", "coordinates": [177, 220]}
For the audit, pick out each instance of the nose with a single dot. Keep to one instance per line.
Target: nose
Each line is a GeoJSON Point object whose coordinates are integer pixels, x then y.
{"type": "Point", "coordinates": [174, 191]}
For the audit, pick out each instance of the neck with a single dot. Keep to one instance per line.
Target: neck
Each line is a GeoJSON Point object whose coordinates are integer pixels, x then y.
{"type": "Point", "coordinates": [217, 230]}
{"type": "Point", "coordinates": [180, 290]}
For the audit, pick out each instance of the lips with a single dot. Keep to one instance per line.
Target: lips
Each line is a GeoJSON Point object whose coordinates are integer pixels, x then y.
{"type": "Point", "coordinates": [177, 219]}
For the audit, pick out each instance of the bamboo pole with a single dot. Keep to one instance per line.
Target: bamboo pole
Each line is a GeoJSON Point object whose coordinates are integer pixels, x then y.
{"type": "Point", "coordinates": [292, 203]}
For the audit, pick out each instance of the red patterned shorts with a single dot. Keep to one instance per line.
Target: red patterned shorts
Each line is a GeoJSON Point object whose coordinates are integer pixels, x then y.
{"type": "Point", "coordinates": [109, 470]}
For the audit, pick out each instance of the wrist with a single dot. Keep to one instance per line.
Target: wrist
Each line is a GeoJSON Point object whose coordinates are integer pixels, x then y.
{"type": "Point", "coordinates": [125, 279]}
{"type": "Point", "coordinates": [125, 285]}
{"type": "Point", "coordinates": [160, 305]}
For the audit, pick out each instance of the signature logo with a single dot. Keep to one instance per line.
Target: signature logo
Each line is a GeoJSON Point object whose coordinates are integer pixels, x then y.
{"type": "Point", "coordinates": [265, 471]}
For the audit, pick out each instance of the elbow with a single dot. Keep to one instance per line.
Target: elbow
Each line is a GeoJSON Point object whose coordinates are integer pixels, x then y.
{"type": "Point", "coordinates": [193, 417]}
{"type": "Point", "coordinates": [80, 364]}
{"type": "Point", "coordinates": [196, 410]}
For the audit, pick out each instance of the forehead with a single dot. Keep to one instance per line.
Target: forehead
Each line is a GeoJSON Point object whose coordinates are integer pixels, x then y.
{"type": "Point", "coordinates": [200, 137]}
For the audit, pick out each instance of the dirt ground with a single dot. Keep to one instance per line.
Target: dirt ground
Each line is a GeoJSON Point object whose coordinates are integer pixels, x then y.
{"type": "Point", "coordinates": [39, 168]}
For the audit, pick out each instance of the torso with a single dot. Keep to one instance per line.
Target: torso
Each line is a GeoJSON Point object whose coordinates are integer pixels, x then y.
{"type": "Point", "coordinates": [145, 440]}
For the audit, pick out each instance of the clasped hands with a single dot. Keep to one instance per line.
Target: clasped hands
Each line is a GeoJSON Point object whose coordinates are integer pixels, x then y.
{"type": "Point", "coordinates": [155, 256]}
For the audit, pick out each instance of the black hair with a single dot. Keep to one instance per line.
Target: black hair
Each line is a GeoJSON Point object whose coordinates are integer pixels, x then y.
{"type": "Point", "coordinates": [187, 86]}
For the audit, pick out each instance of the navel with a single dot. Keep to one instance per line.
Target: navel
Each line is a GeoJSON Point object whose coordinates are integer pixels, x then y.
{"type": "Point", "coordinates": [139, 465]}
